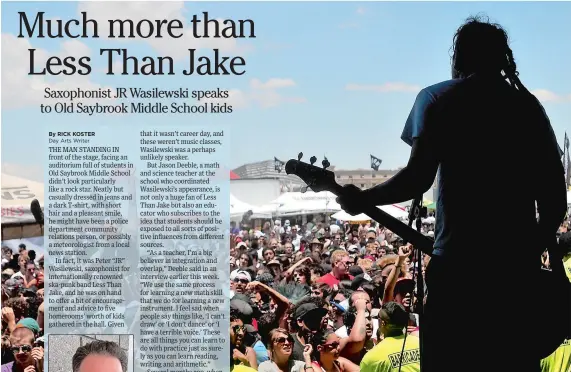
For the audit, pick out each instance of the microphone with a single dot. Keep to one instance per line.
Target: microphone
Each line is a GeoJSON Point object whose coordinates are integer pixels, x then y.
{"type": "Point", "coordinates": [37, 211]}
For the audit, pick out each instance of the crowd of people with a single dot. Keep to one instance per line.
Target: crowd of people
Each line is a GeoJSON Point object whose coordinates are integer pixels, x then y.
{"type": "Point", "coordinates": [329, 297]}
{"type": "Point", "coordinates": [333, 297]}
{"type": "Point", "coordinates": [22, 310]}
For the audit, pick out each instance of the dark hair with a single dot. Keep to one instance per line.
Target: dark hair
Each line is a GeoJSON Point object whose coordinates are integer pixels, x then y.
{"type": "Point", "coordinates": [565, 242]}
{"type": "Point", "coordinates": [101, 348]}
{"type": "Point", "coordinates": [317, 269]}
{"type": "Point", "coordinates": [480, 46]}
{"type": "Point", "coordinates": [235, 314]}
{"type": "Point", "coordinates": [317, 339]}
{"type": "Point", "coordinates": [395, 315]}
{"type": "Point", "coordinates": [267, 249]}
{"type": "Point", "coordinates": [349, 318]}
{"type": "Point", "coordinates": [305, 272]}
{"type": "Point", "coordinates": [248, 257]}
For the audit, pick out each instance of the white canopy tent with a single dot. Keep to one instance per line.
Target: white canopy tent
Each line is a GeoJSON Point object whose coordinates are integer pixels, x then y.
{"type": "Point", "coordinates": [17, 218]}
{"type": "Point", "coordinates": [393, 210]}
{"type": "Point", "coordinates": [298, 203]}
{"type": "Point", "coordinates": [238, 208]}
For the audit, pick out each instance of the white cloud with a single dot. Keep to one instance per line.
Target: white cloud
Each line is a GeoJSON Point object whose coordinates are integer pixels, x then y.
{"type": "Point", "coordinates": [361, 10]}
{"type": "Point", "coordinates": [102, 12]}
{"type": "Point", "coordinates": [27, 89]}
{"type": "Point", "coordinates": [544, 95]}
{"type": "Point", "coordinates": [273, 83]}
{"type": "Point", "coordinates": [262, 94]}
{"type": "Point", "coordinates": [385, 88]}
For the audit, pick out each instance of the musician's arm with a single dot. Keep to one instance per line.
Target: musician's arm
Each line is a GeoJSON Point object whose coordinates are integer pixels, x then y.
{"type": "Point", "coordinates": [411, 181]}
{"type": "Point", "coordinates": [417, 177]}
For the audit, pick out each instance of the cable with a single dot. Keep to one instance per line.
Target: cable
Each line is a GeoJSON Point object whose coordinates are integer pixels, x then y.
{"type": "Point", "coordinates": [414, 214]}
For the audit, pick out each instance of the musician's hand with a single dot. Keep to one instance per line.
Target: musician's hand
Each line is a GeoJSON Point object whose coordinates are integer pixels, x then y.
{"type": "Point", "coordinates": [351, 200]}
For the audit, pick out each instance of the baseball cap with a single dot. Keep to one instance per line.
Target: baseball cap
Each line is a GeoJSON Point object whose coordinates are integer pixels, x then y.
{"type": "Point", "coordinates": [309, 310]}
{"type": "Point", "coordinates": [404, 285]}
{"type": "Point", "coordinates": [29, 323]}
{"type": "Point", "coordinates": [243, 275]}
{"type": "Point", "coordinates": [273, 262]}
{"type": "Point", "coordinates": [353, 249]}
{"type": "Point", "coordinates": [359, 280]}
{"type": "Point", "coordinates": [242, 306]}
{"type": "Point", "coordinates": [342, 306]}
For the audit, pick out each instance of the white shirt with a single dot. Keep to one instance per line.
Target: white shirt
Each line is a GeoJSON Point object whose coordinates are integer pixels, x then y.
{"type": "Point", "coordinates": [342, 332]}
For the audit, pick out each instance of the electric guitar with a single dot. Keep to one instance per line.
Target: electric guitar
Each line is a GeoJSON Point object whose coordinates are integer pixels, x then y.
{"type": "Point", "coordinates": [321, 179]}
{"type": "Point", "coordinates": [555, 326]}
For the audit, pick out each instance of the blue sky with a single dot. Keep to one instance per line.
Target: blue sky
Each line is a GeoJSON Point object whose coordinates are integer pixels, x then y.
{"type": "Point", "coordinates": [322, 48]}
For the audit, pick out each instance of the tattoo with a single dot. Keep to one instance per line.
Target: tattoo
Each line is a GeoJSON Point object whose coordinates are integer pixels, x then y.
{"type": "Point", "coordinates": [363, 331]}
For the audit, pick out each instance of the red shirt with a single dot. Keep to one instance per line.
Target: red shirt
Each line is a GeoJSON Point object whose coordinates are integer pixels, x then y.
{"type": "Point", "coordinates": [331, 280]}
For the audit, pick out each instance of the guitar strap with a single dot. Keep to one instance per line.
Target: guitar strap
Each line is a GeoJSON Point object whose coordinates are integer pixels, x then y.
{"type": "Point", "coordinates": [414, 216]}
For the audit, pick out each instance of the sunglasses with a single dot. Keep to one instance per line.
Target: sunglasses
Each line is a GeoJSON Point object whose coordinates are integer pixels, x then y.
{"type": "Point", "coordinates": [23, 348]}
{"type": "Point", "coordinates": [243, 281]}
{"type": "Point", "coordinates": [332, 346]}
{"type": "Point", "coordinates": [238, 328]}
{"type": "Point", "coordinates": [282, 340]}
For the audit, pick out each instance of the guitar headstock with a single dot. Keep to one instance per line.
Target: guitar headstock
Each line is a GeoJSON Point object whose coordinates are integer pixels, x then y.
{"type": "Point", "coordinates": [316, 178]}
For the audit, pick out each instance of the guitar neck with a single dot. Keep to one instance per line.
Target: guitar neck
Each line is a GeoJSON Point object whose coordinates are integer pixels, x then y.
{"type": "Point", "coordinates": [424, 243]}
{"type": "Point", "coordinates": [414, 237]}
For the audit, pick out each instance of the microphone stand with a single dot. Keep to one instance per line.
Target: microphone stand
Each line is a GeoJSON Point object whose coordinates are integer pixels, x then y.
{"type": "Point", "coordinates": [415, 216]}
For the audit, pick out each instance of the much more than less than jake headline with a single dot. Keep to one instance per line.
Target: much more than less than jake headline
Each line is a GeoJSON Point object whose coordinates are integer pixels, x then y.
{"type": "Point", "coordinates": [200, 26]}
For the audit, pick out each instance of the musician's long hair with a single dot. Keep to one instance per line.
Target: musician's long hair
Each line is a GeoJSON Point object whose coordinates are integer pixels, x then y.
{"type": "Point", "coordinates": [480, 46]}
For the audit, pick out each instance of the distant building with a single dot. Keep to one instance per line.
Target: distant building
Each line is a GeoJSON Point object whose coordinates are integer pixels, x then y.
{"type": "Point", "coordinates": [266, 170]}
{"type": "Point", "coordinates": [362, 178]}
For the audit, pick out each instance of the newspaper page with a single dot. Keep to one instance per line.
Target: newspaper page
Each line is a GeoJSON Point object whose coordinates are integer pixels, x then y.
{"type": "Point", "coordinates": [284, 186]}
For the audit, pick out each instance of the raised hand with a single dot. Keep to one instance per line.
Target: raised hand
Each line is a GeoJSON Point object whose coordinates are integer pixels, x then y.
{"type": "Point", "coordinates": [404, 252]}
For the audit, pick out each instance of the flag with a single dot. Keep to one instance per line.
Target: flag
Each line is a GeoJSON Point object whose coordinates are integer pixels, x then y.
{"type": "Point", "coordinates": [375, 162]}
{"type": "Point", "coordinates": [278, 165]}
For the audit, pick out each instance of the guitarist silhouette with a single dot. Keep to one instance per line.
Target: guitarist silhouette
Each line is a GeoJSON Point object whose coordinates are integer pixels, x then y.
{"type": "Point", "coordinates": [493, 147]}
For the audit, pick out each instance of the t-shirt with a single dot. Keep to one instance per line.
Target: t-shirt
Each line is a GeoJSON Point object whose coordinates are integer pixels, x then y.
{"type": "Point", "coordinates": [8, 367]}
{"type": "Point", "coordinates": [560, 360]}
{"type": "Point", "coordinates": [261, 352]}
{"type": "Point", "coordinates": [269, 366]}
{"type": "Point", "coordinates": [386, 356]}
{"type": "Point", "coordinates": [342, 332]}
{"type": "Point", "coordinates": [481, 125]}
{"type": "Point", "coordinates": [239, 368]}
{"type": "Point", "coordinates": [331, 280]}
{"type": "Point", "coordinates": [567, 265]}
{"type": "Point", "coordinates": [297, 351]}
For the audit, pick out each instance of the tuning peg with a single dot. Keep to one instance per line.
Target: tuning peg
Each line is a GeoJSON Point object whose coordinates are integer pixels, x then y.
{"type": "Point", "coordinates": [299, 156]}
{"type": "Point", "coordinates": [303, 189]}
{"type": "Point", "coordinates": [325, 163]}
{"type": "Point", "coordinates": [312, 160]}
